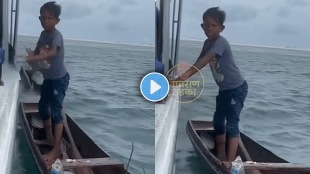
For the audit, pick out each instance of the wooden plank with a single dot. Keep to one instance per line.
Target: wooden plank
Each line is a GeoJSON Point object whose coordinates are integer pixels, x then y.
{"type": "Point", "coordinates": [30, 108]}
{"type": "Point", "coordinates": [90, 162]}
{"type": "Point", "coordinates": [74, 149]}
{"type": "Point", "coordinates": [31, 111]}
{"type": "Point", "coordinates": [203, 128]}
{"type": "Point", "coordinates": [202, 125]}
{"type": "Point", "coordinates": [246, 154]}
{"type": "Point", "coordinates": [24, 78]}
{"type": "Point", "coordinates": [274, 166]}
{"type": "Point", "coordinates": [244, 150]}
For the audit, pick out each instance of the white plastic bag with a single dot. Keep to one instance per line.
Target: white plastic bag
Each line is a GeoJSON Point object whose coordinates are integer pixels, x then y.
{"type": "Point", "coordinates": [57, 167]}
{"type": "Point", "coordinates": [237, 166]}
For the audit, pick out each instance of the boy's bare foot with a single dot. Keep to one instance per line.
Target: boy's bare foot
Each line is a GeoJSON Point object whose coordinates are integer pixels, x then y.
{"type": "Point", "coordinates": [226, 164]}
{"type": "Point", "coordinates": [51, 157]}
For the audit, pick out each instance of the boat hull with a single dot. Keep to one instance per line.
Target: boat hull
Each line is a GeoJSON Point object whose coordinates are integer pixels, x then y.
{"type": "Point", "coordinates": [86, 147]}
{"type": "Point", "coordinates": [201, 134]}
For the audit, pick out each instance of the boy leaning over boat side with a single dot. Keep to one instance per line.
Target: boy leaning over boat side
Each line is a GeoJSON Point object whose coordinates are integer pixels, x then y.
{"type": "Point", "coordinates": [232, 87]}
{"type": "Point", "coordinates": [56, 79]}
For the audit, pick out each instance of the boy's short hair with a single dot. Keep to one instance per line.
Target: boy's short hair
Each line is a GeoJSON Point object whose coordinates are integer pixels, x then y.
{"type": "Point", "coordinates": [216, 13]}
{"type": "Point", "coordinates": [51, 7]}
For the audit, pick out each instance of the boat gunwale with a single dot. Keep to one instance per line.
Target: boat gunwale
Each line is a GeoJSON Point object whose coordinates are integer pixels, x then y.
{"type": "Point", "coordinates": [206, 155]}
{"type": "Point", "coordinates": [34, 148]}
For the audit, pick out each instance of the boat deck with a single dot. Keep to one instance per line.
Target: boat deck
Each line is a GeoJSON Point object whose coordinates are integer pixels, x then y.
{"type": "Point", "coordinates": [8, 110]}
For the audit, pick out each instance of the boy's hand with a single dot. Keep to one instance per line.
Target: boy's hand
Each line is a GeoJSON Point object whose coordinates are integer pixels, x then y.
{"type": "Point", "coordinates": [30, 53]}
{"type": "Point", "coordinates": [31, 58]}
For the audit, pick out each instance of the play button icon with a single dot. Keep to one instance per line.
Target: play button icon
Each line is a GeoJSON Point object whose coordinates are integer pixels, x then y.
{"type": "Point", "coordinates": [154, 87]}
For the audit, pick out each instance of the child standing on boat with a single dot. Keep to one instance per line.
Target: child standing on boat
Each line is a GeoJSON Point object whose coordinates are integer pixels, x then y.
{"type": "Point", "coordinates": [233, 88]}
{"type": "Point", "coordinates": [56, 79]}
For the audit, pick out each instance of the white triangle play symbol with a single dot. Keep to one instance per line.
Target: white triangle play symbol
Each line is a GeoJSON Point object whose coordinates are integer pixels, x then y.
{"type": "Point", "coordinates": [154, 87]}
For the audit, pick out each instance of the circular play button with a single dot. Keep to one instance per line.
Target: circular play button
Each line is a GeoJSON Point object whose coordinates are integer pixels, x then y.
{"type": "Point", "coordinates": [154, 87]}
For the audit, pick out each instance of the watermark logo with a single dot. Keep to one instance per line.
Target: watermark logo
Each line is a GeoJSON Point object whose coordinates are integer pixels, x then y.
{"type": "Point", "coordinates": [190, 89]}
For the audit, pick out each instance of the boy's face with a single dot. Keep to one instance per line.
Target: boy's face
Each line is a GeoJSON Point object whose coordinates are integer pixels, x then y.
{"type": "Point", "coordinates": [48, 21]}
{"type": "Point", "coordinates": [211, 27]}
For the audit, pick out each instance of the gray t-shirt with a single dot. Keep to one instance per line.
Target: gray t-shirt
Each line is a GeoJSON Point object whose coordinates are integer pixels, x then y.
{"type": "Point", "coordinates": [225, 72]}
{"type": "Point", "coordinates": [57, 68]}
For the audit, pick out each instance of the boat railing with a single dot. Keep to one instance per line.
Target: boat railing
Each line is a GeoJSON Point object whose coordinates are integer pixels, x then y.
{"type": "Point", "coordinates": [167, 33]}
{"type": "Point", "coordinates": [176, 28]}
{"type": "Point", "coordinates": [13, 28]}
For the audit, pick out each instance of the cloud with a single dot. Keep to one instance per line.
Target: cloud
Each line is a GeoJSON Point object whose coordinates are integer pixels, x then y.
{"type": "Point", "coordinates": [236, 12]}
{"type": "Point", "coordinates": [240, 13]}
{"type": "Point", "coordinates": [283, 12]}
{"type": "Point", "coordinates": [114, 10]}
{"type": "Point", "coordinates": [115, 26]}
{"type": "Point", "coordinates": [128, 2]}
{"type": "Point", "coordinates": [286, 9]}
{"type": "Point", "coordinates": [297, 3]}
{"type": "Point", "coordinates": [73, 10]}
{"type": "Point", "coordinates": [286, 29]}
{"type": "Point", "coordinates": [32, 8]}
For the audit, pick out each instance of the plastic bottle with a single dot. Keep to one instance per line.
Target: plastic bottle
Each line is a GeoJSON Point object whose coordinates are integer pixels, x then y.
{"type": "Point", "coordinates": [57, 167]}
{"type": "Point", "coordinates": [237, 166]}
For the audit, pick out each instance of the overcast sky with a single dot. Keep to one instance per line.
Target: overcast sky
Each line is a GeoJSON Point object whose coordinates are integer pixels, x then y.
{"type": "Point", "coordinates": [282, 23]}
{"type": "Point", "coordinates": [130, 21]}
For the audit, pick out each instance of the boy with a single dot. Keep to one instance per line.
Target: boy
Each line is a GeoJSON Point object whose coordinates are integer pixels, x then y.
{"type": "Point", "coordinates": [56, 79]}
{"type": "Point", "coordinates": [232, 87]}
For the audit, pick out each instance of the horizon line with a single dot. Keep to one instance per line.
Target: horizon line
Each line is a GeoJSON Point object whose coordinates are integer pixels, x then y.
{"type": "Point", "coordinates": [257, 45]}
{"type": "Point", "coordinates": [95, 41]}
{"type": "Point", "coordinates": [186, 39]}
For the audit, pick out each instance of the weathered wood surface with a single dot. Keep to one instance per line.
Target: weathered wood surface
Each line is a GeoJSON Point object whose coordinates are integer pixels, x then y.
{"type": "Point", "coordinates": [90, 162]}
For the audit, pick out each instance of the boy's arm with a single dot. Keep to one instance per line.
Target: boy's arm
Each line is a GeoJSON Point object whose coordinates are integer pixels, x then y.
{"type": "Point", "coordinates": [199, 64]}
{"type": "Point", "coordinates": [52, 52]}
{"type": "Point", "coordinates": [36, 50]}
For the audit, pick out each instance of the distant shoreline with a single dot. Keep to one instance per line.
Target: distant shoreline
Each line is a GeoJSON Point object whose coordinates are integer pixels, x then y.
{"type": "Point", "coordinates": [95, 41]}
{"type": "Point", "coordinates": [252, 45]}
{"type": "Point", "coordinates": [184, 39]}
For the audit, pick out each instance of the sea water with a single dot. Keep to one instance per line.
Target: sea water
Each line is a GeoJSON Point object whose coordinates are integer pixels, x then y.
{"type": "Point", "coordinates": [104, 99]}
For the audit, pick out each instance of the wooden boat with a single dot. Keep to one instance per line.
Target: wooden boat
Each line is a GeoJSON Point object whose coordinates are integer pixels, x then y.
{"type": "Point", "coordinates": [80, 155]}
{"type": "Point", "coordinates": [92, 157]}
{"type": "Point", "coordinates": [27, 81]}
{"type": "Point", "coordinates": [201, 134]}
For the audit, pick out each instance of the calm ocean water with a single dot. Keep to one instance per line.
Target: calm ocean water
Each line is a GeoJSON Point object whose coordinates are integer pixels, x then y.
{"type": "Point", "coordinates": [277, 109]}
{"type": "Point", "coordinates": [104, 99]}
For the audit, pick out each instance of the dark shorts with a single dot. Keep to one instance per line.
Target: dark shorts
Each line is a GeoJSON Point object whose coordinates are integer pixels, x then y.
{"type": "Point", "coordinates": [52, 95]}
{"type": "Point", "coordinates": [229, 104]}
